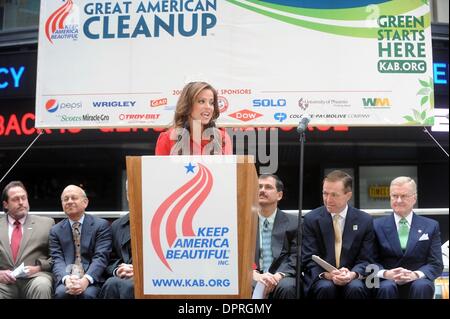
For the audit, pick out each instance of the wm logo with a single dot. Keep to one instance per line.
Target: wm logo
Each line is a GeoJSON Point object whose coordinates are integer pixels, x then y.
{"type": "Point", "coordinates": [375, 101]}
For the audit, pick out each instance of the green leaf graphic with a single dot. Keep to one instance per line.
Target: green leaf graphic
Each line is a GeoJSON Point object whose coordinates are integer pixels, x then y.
{"type": "Point", "coordinates": [408, 118]}
{"type": "Point", "coordinates": [424, 83]}
{"type": "Point", "coordinates": [423, 100]}
{"type": "Point", "coordinates": [423, 91]}
{"type": "Point", "coordinates": [423, 115]}
{"type": "Point", "coordinates": [429, 121]}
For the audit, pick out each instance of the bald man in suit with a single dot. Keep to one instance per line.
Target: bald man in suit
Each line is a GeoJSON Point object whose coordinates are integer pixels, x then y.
{"type": "Point", "coordinates": [92, 256]}
{"type": "Point", "coordinates": [23, 239]}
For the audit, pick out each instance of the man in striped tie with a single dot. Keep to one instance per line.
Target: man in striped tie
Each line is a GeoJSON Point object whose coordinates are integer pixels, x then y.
{"type": "Point", "coordinates": [276, 242]}
{"type": "Point", "coordinates": [408, 245]}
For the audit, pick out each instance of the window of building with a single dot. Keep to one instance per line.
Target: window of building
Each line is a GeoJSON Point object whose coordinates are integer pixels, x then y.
{"type": "Point", "coordinates": [18, 14]}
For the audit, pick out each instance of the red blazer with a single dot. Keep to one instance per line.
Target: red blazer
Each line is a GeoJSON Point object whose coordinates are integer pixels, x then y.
{"type": "Point", "coordinates": [165, 143]}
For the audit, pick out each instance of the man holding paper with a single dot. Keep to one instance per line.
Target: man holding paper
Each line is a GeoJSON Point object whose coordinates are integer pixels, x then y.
{"type": "Point", "coordinates": [408, 247]}
{"type": "Point", "coordinates": [276, 242]}
{"type": "Point", "coordinates": [25, 265]}
{"type": "Point", "coordinates": [341, 236]}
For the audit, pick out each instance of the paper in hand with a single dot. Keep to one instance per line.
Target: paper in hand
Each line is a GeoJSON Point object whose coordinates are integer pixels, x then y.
{"type": "Point", "coordinates": [20, 272]}
{"type": "Point", "coordinates": [322, 263]}
{"type": "Point", "coordinates": [258, 292]}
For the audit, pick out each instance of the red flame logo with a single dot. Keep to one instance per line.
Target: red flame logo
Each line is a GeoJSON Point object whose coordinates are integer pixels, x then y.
{"type": "Point", "coordinates": [56, 20]}
{"type": "Point", "coordinates": [194, 192]}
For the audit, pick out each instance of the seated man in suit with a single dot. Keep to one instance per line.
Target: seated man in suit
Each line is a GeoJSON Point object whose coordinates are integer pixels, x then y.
{"type": "Point", "coordinates": [341, 235]}
{"type": "Point", "coordinates": [23, 239]}
{"type": "Point", "coordinates": [80, 246]}
{"type": "Point", "coordinates": [276, 242]}
{"type": "Point", "coordinates": [408, 247]}
{"type": "Point", "coordinates": [120, 283]}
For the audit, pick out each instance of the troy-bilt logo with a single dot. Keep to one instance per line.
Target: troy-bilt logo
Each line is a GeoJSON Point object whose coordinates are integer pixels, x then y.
{"type": "Point", "coordinates": [179, 209]}
{"type": "Point", "coordinates": [58, 27]}
{"type": "Point", "coordinates": [245, 115]}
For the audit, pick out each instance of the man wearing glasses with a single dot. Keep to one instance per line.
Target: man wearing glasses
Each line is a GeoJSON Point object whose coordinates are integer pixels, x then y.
{"type": "Point", "coordinates": [408, 247]}
{"type": "Point", "coordinates": [343, 237]}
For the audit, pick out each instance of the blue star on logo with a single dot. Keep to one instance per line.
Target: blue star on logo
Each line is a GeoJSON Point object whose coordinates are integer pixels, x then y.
{"type": "Point", "coordinates": [190, 168]}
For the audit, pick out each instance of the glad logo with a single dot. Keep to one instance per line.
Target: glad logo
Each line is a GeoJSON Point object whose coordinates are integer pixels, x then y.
{"type": "Point", "coordinates": [245, 115]}
{"type": "Point", "coordinates": [160, 102]}
{"type": "Point", "coordinates": [51, 105]}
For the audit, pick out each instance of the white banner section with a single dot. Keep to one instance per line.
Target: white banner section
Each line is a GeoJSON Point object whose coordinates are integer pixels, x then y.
{"type": "Point", "coordinates": [124, 63]}
{"type": "Point", "coordinates": [189, 222]}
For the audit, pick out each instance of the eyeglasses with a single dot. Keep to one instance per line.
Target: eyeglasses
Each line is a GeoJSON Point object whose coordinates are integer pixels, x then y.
{"type": "Point", "coordinates": [402, 197]}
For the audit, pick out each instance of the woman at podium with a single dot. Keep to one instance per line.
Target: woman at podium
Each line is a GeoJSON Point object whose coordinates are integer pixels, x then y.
{"type": "Point", "coordinates": [194, 131]}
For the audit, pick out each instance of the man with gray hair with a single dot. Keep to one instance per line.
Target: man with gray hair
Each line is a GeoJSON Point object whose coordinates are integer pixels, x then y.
{"type": "Point", "coordinates": [408, 247]}
{"type": "Point", "coordinates": [80, 246]}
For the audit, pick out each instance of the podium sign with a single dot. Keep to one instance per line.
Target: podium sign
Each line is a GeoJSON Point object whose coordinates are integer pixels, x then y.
{"type": "Point", "coordinates": [190, 245]}
{"type": "Point", "coordinates": [185, 226]}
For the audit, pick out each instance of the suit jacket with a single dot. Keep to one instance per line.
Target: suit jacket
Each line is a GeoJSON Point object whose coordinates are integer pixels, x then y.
{"type": "Point", "coordinates": [33, 247]}
{"type": "Point", "coordinates": [318, 239]}
{"type": "Point", "coordinates": [284, 244]}
{"type": "Point", "coordinates": [121, 241]}
{"type": "Point", "coordinates": [423, 251]}
{"type": "Point", "coordinates": [95, 247]}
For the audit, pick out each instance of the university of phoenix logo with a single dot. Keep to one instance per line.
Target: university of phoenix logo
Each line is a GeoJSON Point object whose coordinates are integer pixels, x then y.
{"type": "Point", "coordinates": [63, 23]}
{"type": "Point", "coordinates": [179, 209]}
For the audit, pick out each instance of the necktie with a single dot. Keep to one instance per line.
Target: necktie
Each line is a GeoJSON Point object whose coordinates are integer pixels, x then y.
{"type": "Point", "coordinates": [403, 232]}
{"type": "Point", "coordinates": [337, 239]}
{"type": "Point", "coordinates": [16, 237]}
{"type": "Point", "coordinates": [76, 240]}
{"type": "Point", "coordinates": [266, 250]}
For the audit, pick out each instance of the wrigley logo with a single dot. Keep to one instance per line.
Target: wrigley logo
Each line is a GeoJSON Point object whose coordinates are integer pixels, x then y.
{"type": "Point", "coordinates": [376, 101]}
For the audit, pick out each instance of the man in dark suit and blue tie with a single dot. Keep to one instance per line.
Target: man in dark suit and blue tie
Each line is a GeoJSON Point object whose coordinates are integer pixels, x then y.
{"type": "Point", "coordinates": [341, 235]}
{"type": "Point", "coordinates": [80, 241]}
{"type": "Point", "coordinates": [408, 247]}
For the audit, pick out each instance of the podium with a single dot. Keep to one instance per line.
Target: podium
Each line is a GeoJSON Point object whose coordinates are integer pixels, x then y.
{"type": "Point", "coordinates": [193, 225]}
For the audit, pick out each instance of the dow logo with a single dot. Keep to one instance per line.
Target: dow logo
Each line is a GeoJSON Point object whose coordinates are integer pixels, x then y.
{"type": "Point", "coordinates": [376, 102]}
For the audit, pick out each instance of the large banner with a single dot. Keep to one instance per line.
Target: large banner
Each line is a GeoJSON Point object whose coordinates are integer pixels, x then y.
{"type": "Point", "coordinates": [189, 225]}
{"type": "Point", "coordinates": [346, 62]}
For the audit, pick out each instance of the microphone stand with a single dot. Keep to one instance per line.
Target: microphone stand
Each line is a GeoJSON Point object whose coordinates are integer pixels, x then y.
{"type": "Point", "coordinates": [300, 221]}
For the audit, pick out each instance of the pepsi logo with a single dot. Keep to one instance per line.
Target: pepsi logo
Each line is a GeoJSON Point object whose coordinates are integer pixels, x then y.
{"type": "Point", "coordinates": [51, 105]}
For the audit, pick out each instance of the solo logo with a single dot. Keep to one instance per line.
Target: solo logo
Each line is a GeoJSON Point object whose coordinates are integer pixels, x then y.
{"type": "Point", "coordinates": [269, 103]}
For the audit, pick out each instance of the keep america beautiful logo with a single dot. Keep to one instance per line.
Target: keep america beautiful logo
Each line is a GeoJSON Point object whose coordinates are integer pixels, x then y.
{"type": "Point", "coordinates": [63, 23]}
{"type": "Point", "coordinates": [172, 233]}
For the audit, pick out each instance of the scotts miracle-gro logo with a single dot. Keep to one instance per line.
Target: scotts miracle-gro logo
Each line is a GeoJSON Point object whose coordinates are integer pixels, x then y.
{"type": "Point", "coordinates": [63, 23]}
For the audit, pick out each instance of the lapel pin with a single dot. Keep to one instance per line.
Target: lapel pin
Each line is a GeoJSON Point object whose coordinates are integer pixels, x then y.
{"type": "Point", "coordinates": [355, 227]}
{"type": "Point", "coordinates": [420, 230]}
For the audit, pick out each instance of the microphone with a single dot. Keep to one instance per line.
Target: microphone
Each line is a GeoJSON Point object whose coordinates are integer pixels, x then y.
{"type": "Point", "coordinates": [177, 148]}
{"type": "Point", "coordinates": [303, 124]}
